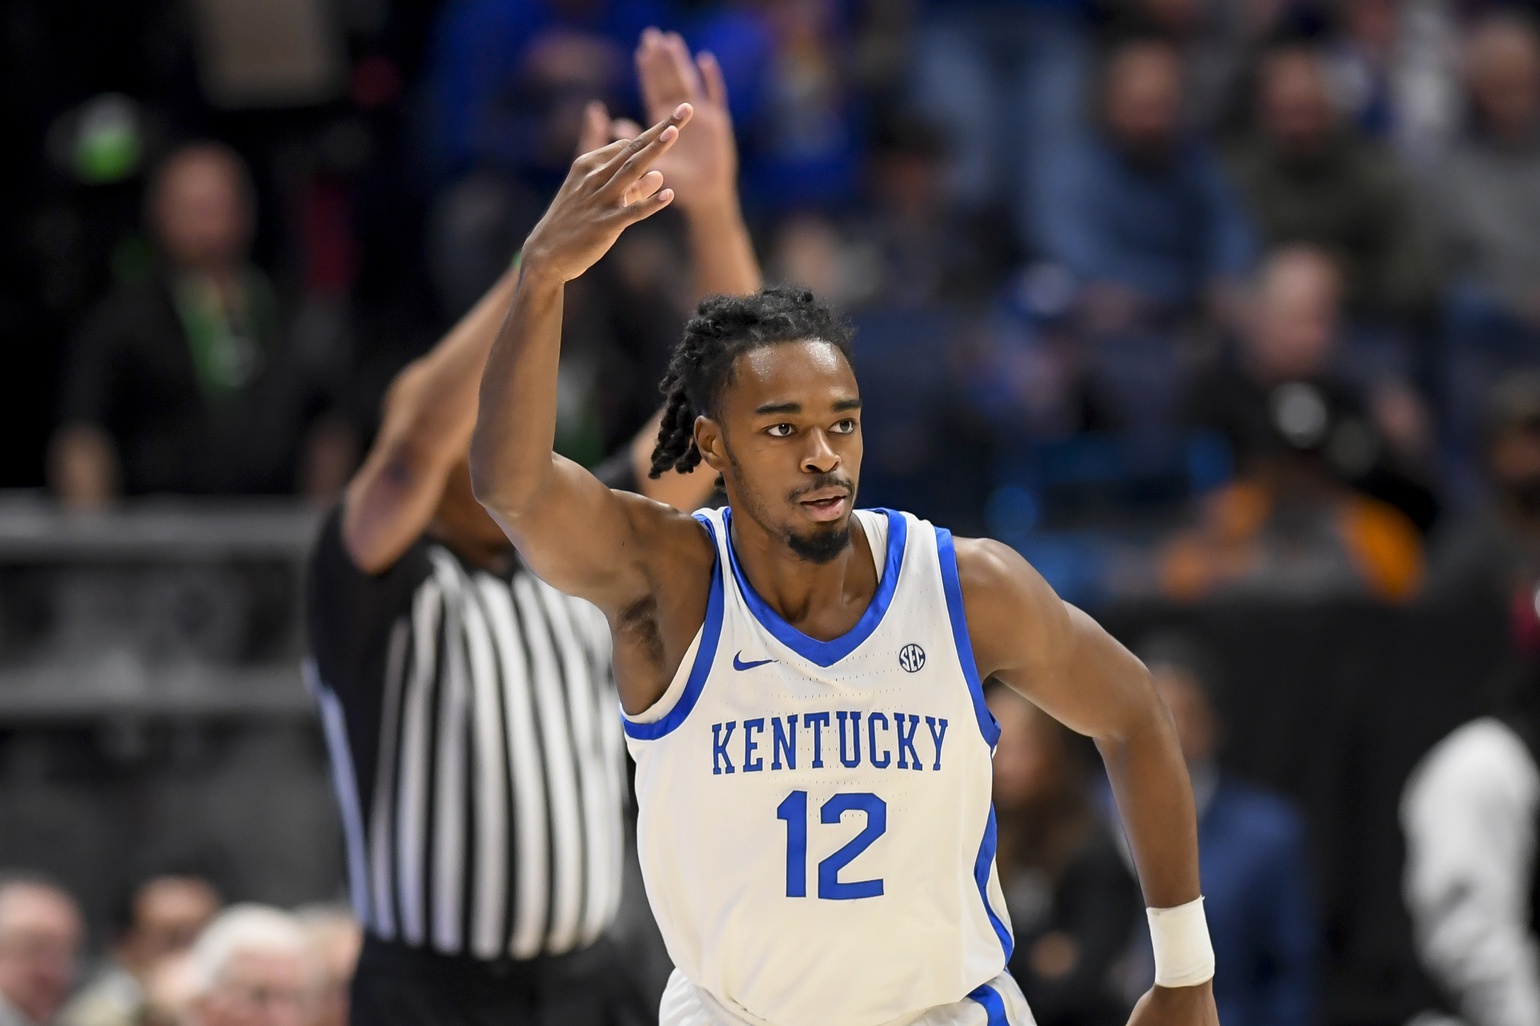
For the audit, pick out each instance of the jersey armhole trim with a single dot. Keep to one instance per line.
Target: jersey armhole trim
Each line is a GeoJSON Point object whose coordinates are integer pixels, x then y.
{"type": "Point", "coordinates": [994, 1006]}
{"type": "Point", "coordinates": [983, 867]}
{"type": "Point", "coordinates": [705, 655]}
{"type": "Point", "coordinates": [952, 585]}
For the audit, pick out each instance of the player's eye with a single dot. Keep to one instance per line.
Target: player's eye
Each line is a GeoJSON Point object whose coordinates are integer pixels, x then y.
{"type": "Point", "coordinates": [779, 430]}
{"type": "Point", "coordinates": [844, 427]}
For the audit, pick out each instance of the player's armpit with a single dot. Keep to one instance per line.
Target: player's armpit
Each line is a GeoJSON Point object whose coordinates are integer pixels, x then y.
{"type": "Point", "coordinates": [1062, 660]}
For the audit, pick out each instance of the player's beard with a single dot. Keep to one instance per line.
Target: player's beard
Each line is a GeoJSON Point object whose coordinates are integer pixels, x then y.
{"type": "Point", "coordinates": [822, 544]}
{"type": "Point", "coordinates": [819, 545]}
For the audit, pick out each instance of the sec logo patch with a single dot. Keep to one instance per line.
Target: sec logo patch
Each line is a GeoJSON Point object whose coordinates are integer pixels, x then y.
{"type": "Point", "coordinates": [911, 658]}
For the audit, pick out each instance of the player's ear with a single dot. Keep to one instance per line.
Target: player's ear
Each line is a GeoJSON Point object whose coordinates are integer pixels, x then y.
{"type": "Point", "coordinates": [708, 439]}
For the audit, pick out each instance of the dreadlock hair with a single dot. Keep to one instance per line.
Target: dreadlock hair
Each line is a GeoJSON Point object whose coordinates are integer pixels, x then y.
{"type": "Point", "coordinates": [724, 328]}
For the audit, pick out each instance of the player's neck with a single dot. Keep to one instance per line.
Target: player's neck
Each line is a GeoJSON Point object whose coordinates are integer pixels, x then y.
{"type": "Point", "coordinates": [823, 600]}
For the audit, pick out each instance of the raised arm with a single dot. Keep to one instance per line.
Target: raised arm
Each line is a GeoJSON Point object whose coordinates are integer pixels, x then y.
{"type": "Point", "coordinates": [574, 532]}
{"type": "Point", "coordinates": [429, 412]}
{"type": "Point", "coordinates": [1059, 658]}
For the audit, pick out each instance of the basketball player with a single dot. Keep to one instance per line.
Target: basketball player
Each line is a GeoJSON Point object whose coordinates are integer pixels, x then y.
{"type": "Point", "coordinates": [801, 681]}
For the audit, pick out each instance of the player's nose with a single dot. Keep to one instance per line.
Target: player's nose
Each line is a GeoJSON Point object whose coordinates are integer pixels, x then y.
{"type": "Point", "coordinates": [820, 457]}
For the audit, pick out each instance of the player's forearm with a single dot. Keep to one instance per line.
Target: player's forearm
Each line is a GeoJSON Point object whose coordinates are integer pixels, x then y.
{"type": "Point", "coordinates": [1154, 796]}
{"type": "Point", "coordinates": [721, 249]}
{"type": "Point", "coordinates": [511, 446]}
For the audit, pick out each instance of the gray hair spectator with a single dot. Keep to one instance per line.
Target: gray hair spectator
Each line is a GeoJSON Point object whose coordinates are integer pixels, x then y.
{"type": "Point", "coordinates": [40, 936]}
{"type": "Point", "coordinates": [254, 966]}
{"type": "Point", "coordinates": [337, 938]}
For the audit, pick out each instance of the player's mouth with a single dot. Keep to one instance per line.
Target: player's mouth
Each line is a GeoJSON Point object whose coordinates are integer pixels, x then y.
{"type": "Point", "coordinates": [827, 505]}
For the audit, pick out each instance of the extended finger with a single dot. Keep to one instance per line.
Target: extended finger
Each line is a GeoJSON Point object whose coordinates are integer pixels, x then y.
{"type": "Point", "coordinates": [712, 79]}
{"type": "Point", "coordinates": [637, 155]}
{"type": "Point", "coordinates": [645, 208]}
{"type": "Point", "coordinates": [594, 131]}
{"type": "Point", "coordinates": [645, 186]}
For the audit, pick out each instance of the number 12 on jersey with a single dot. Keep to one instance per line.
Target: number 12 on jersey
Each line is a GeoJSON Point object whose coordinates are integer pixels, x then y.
{"type": "Point", "coordinates": [794, 811]}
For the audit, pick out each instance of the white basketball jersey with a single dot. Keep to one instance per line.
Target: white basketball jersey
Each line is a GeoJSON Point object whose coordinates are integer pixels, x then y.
{"type": "Point", "coordinates": [816, 831]}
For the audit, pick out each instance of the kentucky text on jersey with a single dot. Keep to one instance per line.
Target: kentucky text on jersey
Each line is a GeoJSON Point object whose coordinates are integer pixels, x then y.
{"type": "Point", "coordinates": [828, 739]}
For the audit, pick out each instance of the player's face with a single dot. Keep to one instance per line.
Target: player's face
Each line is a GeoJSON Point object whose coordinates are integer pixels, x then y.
{"type": "Point", "coordinates": [788, 444]}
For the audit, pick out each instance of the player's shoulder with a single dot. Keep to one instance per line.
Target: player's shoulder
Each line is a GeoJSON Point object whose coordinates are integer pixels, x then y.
{"type": "Point", "coordinates": [1001, 590]}
{"type": "Point", "coordinates": [987, 565]}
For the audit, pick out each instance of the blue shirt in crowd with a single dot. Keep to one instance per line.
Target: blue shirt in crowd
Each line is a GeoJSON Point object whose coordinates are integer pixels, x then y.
{"type": "Point", "coordinates": [1166, 232]}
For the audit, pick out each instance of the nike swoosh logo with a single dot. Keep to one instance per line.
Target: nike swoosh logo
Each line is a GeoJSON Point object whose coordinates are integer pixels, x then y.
{"type": "Point", "coordinates": [739, 664]}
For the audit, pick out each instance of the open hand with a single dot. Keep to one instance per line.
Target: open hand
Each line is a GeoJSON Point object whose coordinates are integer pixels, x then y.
{"type": "Point", "coordinates": [704, 166]}
{"type": "Point", "coordinates": [609, 188]}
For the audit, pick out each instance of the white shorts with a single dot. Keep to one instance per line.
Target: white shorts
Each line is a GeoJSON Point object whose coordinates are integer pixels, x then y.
{"type": "Point", "coordinates": [997, 1003]}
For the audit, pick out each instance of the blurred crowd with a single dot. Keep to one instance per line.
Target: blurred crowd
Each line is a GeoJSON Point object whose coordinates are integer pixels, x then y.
{"type": "Point", "coordinates": [1182, 297]}
{"type": "Point", "coordinates": [178, 957]}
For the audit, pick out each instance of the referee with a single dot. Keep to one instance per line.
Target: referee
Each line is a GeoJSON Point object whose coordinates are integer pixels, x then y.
{"type": "Point", "coordinates": [468, 707]}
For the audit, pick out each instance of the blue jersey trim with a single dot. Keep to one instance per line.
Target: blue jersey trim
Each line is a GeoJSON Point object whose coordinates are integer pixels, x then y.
{"type": "Point", "coordinates": [992, 1002]}
{"type": "Point", "coordinates": [705, 655]}
{"type": "Point", "coordinates": [827, 653]}
{"type": "Point", "coordinates": [960, 637]}
{"type": "Point", "coordinates": [981, 867]}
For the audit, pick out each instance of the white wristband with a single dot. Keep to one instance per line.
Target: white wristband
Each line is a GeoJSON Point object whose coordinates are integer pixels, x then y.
{"type": "Point", "coordinates": [1184, 957]}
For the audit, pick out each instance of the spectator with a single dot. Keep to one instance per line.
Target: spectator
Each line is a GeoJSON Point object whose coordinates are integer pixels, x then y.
{"type": "Point", "coordinates": [164, 917]}
{"type": "Point", "coordinates": [1008, 79]}
{"type": "Point", "coordinates": [1217, 38]}
{"type": "Point", "coordinates": [1485, 198]}
{"type": "Point", "coordinates": [40, 935]}
{"type": "Point", "coordinates": [1073, 904]}
{"type": "Point", "coordinates": [1469, 813]}
{"type": "Point", "coordinates": [1292, 347]}
{"type": "Point", "coordinates": [1145, 221]}
{"type": "Point", "coordinates": [187, 383]}
{"type": "Point", "coordinates": [337, 938]}
{"type": "Point", "coordinates": [1494, 551]}
{"type": "Point", "coordinates": [1392, 66]}
{"type": "Point", "coordinates": [1310, 178]}
{"type": "Point", "coordinates": [1142, 214]}
{"type": "Point", "coordinates": [930, 252]}
{"type": "Point", "coordinates": [253, 966]}
{"type": "Point", "coordinates": [1251, 845]}
{"type": "Point", "coordinates": [1288, 524]}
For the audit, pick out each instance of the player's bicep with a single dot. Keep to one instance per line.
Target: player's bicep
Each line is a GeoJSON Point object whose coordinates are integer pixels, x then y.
{"type": "Point", "coordinates": [585, 539]}
{"type": "Point", "coordinates": [1046, 649]}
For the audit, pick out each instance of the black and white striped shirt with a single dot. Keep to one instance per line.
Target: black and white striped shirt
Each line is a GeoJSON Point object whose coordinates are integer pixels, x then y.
{"type": "Point", "coordinates": [476, 752]}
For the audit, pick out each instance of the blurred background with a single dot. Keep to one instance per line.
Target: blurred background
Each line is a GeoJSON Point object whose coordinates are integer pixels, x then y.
{"type": "Point", "coordinates": [1226, 313]}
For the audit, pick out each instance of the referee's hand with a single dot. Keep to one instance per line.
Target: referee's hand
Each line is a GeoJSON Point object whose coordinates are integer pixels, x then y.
{"type": "Point", "coordinates": [608, 189]}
